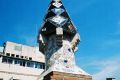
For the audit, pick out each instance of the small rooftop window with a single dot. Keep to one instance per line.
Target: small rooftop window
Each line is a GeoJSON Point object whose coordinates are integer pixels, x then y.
{"type": "Point", "coordinates": [7, 54]}
{"type": "Point", "coordinates": [26, 57]}
{"type": "Point", "coordinates": [12, 55]}
{"type": "Point", "coordinates": [17, 56]}
{"type": "Point", "coordinates": [30, 58]}
{"type": "Point", "coordinates": [22, 57]}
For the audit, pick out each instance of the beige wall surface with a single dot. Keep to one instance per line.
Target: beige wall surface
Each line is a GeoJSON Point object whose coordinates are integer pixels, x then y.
{"type": "Point", "coordinates": [24, 50]}
{"type": "Point", "coordinates": [8, 71]}
{"type": "Point", "coordinates": [8, 76]}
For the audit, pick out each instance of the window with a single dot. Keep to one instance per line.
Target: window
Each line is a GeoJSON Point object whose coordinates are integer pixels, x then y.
{"type": "Point", "coordinates": [22, 63]}
{"type": "Point", "coordinates": [26, 57]}
{"type": "Point", "coordinates": [17, 56]}
{"type": "Point", "coordinates": [7, 60]}
{"type": "Point", "coordinates": [22, 57]}
{"type": "Point", "coordinates": [10, 61]}
{"type": "Point", "coordinates": [43, 66]}
{"type": "Point", "coordinates": [30, 58]}
{"type": "Point", "coordinates": [4, 60]}
{"type": "Point", "coordinates": [7, 54]}
{"type": "Point", "coordinates": [39, 65]}
{"type": "Point", "coordinates": [17, 62]}
{"type": "Point", "coordinates": [30, 64]}
{"type": "Point", "coordinates": [12, 55]}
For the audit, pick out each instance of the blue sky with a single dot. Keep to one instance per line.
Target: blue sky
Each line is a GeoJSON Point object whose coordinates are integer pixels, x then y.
{"type": "Point", "coordinates": [97, 21]}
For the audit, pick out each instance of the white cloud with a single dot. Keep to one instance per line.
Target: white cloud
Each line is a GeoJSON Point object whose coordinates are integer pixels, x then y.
{"type": "Point", "coordinates": [109, 68]}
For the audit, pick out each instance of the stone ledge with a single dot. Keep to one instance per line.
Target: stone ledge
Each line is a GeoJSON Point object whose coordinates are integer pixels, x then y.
{"type": "Point", "coordinates": [66, 76]}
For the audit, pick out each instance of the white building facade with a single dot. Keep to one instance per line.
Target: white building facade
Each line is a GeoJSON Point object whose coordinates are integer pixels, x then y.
{"type": "Point", "coordinates": [20, 62]}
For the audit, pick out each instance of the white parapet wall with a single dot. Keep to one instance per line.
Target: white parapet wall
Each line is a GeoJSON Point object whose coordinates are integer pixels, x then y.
{"type": "Point", "coordinates": [24, 50]}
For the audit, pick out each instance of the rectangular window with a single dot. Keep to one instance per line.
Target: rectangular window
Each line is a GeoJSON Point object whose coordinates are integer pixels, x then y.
{"type": "Point", "coordinates": [37, 65]}
{"type": "Point", "coordinates": [22, 63]}
{"type": "Point", "coordinates": [10, 61]}
{"type": "Point", "coordinates": [17, 56]}
{"type": "Point", "coordinates": [43, 66]}
{"type": "Point", "coordinates": [30, 58]}
{"type": "Point", "coordinates": [7, 60]}
{"type": "Point", "coordinates": [30, 64]}
{"type": "Point", "coordinates": [12, 55]}
{"type": "Point", "coordinates": [4, 60]}
{"type": "Point", "coordinates": [17, 62]}
{"type": "Point", "coordinates": [7, 54]}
